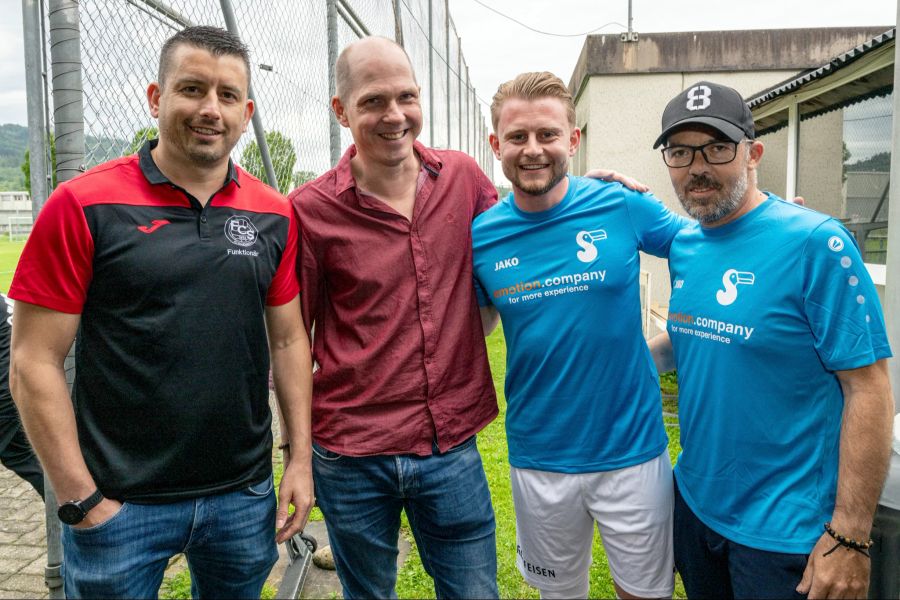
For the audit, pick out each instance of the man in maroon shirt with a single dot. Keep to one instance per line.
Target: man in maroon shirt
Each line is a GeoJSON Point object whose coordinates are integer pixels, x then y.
{"type": "Point", "coordinates": [403, 383]}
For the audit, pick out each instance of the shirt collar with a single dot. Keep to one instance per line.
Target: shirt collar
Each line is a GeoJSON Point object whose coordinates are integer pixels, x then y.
{"type": "Point", "coordinates": [155, 176]}
{"type": "Point", "coordinates": [344, 174]}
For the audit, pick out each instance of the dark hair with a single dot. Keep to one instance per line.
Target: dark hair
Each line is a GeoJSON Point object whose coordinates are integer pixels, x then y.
{"type": "Point", "coordinates": [215, 40]}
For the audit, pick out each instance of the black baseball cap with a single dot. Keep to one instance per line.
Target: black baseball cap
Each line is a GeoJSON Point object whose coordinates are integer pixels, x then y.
{"type": "Point", "coordinates": [707, 103]}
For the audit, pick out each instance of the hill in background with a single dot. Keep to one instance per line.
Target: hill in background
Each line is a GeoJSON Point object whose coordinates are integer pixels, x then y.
{"type": "Point", "coordinates": [14, 142]}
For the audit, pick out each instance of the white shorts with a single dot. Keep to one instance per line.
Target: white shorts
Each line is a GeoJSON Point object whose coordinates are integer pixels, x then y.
{"type": "Point", "coordinates": [632, 507]}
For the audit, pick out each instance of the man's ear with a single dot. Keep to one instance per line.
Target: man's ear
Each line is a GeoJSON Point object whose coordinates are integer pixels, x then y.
{"type": "Point", "coordinates": [154, 90]}
{"type": "Point", "coordinates": [339, 111]}
{"type": "Point", "coordinates": [494, 141]}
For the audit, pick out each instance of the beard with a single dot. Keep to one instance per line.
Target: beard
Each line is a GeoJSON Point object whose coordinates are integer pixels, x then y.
{"type": "Point", "coordinates": [728, 199]}
{"type": "Point", "coordinates": [536, 188]}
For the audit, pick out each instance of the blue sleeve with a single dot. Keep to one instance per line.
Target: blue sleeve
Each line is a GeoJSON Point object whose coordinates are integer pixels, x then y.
{"type": "Point", "coordinates": [654, 224]}
{"type": "Point", "coordinates": [840, 301]}
{"type": "Point", "coordinates": [480, 293]}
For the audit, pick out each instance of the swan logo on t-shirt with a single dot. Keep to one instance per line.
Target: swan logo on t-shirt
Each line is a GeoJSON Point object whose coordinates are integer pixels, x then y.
{"type": "Point", "coordinates": [730, 280]}
{"type": "Point", "coordinates": [586, 239]}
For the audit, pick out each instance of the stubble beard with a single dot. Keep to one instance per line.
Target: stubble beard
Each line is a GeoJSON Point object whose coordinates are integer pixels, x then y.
{"type": "Point", "coordinates": [537, 189]}
{"type": "Point", "coordinates": [726, 204]}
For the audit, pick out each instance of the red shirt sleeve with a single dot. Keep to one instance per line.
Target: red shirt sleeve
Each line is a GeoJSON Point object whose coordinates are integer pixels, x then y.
{"type": "Point", "coordinates": [56, 266]}
{"type": "Point", "coordinates": [284, 285]}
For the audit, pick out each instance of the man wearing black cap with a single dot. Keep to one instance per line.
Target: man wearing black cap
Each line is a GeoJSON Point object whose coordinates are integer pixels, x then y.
{"type": "Point", "coordinates": [780, 345]}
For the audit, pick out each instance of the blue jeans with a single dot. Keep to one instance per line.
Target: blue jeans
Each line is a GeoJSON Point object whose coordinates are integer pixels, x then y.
{"type": "Point", "coordinates": [448, 505]}
{"type": "Point", "coordinates": [713, 566]}
{"type": "Point", "coordinates": [229, 541]}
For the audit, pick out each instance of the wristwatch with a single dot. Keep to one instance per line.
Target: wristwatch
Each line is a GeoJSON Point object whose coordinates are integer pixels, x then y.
{"type": "Point", "coordinates": [73, 512]}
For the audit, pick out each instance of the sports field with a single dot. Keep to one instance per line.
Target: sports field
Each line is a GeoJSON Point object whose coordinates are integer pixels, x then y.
{"type": "Point", "coordinates": [9, 256]}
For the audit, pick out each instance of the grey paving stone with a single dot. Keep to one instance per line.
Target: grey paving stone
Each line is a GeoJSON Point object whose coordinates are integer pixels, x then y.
{"type": "Point", "coordinates": [33, 584]}
{"type": "Point", "coordinates": [7, 538]}
{"type": "Point", "coordinates": [28, 553]}
{"type": "Point", "coordinates": [9, 526]}
{"type": "Point", "coordinates": [35, 567]}
{"type": "Point", "coordinates": [12, 566]}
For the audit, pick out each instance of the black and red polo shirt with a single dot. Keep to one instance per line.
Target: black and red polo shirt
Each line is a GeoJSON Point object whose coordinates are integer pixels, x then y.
{"type": "Point", "coordinates": [171, 387]}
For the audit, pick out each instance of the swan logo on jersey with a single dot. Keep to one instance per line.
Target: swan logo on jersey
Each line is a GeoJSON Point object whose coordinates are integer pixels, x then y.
{"type": "Point", "coordinates": [240, 231]}
{"type": "Point", "coordinates": [835, 244]}
{"type": "Point", "coordinates": [586, 239]}
{"type": "Point", "coordinates": [730, 280]}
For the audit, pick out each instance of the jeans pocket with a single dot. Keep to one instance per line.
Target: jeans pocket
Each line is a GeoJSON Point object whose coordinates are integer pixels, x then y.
{"type": "Point", "coordinates": [261, 488]}
{"type": "Point", "coordinates": [325, 454]}
{"type": "Point", "coordinates": [464, 446]}
{"type": "Point", "coordinates": [107, 524]}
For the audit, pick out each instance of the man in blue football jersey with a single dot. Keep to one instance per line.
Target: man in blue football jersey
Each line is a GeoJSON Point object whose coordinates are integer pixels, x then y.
{"type": "Point", "coordinates": [784, 401]}
{"type": "Point", "coordinates": [558, 261]}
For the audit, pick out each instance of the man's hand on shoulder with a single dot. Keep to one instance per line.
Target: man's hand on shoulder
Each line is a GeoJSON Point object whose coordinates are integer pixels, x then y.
{"type": "Point", "coordinates": [296, 488]}
{"type": "Point", "coordinates": [843, 573]}
{"type": "Point", "coordinates": [610, 175]}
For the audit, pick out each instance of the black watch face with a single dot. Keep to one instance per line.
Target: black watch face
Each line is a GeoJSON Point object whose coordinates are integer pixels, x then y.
{"type": "Point", "coordinates": [70, 513]}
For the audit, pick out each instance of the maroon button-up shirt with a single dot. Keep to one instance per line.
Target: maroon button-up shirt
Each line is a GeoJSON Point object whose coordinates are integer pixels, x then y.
{"type": "Point", "coordinates": [397, 338]}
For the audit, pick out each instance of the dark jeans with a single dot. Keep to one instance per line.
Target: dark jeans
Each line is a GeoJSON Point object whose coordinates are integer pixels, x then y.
{"type": "Point", "coordinates": [228, 539]}
{"type": "Point", "coordinates": [446, 499]}
{"type": "Point", "coordinates": [16, 453]}
{"type": "Point", "coordinates": [712, 566]}
{"type": "Point", "coordinates": [885, 580]}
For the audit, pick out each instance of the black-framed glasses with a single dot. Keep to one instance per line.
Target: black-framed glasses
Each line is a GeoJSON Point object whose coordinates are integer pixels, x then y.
{"type": "Point", "coordinates": [715, 153]}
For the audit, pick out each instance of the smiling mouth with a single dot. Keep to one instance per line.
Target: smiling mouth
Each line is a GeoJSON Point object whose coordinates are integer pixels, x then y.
{"type": "Point", "coordinates": [532, 167]}
{"type": "Point", "coordinates": [393, 136]}
{"type": "Point", "coordinates": [204, 130]}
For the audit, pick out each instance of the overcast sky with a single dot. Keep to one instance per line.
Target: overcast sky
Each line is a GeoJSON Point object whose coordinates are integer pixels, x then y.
{"type": "Point", "coordinates": [496, 49]}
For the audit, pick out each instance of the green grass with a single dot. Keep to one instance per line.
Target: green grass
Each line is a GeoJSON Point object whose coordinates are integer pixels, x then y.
{"type": "Point", "coordinates": [178, 587]}
{"type": "Point", "coordinates": [9, 257]}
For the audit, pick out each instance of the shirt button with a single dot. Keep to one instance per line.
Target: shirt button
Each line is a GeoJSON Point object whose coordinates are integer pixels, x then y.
{"type": "Point", "coordinates": [203, 219]}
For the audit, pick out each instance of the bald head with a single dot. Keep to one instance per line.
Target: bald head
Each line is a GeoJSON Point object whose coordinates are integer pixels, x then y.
{"type": "Point", "coordinates": [358, 54]}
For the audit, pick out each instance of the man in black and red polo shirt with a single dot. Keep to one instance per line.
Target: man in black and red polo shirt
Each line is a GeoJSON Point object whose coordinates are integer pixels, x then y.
{"type": "Point", "coordinates": [171, 266]}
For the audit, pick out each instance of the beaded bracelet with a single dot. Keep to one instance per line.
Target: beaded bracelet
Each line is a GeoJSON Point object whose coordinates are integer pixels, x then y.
{"type": "Point", "coordinates": [861, 547]}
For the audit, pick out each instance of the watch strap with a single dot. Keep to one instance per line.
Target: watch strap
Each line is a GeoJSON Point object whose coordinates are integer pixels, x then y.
{"type": "Point", "coordinates": [91, 501]}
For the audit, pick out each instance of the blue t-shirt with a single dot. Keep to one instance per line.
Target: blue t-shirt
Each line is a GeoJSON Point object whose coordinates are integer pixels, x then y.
{"type": "Point", "coordinates": [581, 388]}
{"type": "Point", "coordinates": [764, 310]}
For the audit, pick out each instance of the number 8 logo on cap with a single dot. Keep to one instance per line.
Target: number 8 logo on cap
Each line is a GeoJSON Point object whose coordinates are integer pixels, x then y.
{"type": "Point", "coordinates": [698, 97]}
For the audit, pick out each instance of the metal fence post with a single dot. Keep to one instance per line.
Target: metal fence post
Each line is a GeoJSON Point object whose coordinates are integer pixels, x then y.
{"type": "Point", "coordinates": [459, 90]}
{"type": "Point", "coordinates": [35, 69]}
{"type": "Point", "coordinates": [447, 62]}
{"type": "Point", "coordinates": [259, 132]}
{"type": "Point", "coordinates": [68, 114]}
{"type": "Point", "coordinates": [334, 128]}
{"type": "Point", "coordinates": [430, 74]}
{"type": "Point", "coordinates": [68, 119]}
{"type": "Point", "coordinates": [398, 24]}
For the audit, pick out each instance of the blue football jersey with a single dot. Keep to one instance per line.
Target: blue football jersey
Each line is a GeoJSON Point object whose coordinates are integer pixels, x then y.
{"type": "Point", "coordinates": [764, 310]}
{"type": "Point", "coordinates": [581, 388]}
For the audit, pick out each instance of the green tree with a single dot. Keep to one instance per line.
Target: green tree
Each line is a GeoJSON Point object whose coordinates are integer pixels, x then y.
{"type": "Point", "coordinates": [301, 177]}
{"type": "Point", "coordinates": [281, 150]}
{"type": "Point", "coordinates": [140, 136]}
{"type": "Point", "coordinates": [26, 166]}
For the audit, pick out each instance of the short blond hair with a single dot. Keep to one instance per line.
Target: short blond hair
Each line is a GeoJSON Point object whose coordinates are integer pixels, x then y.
{"type": "Point", "coordinates": [532, 86]}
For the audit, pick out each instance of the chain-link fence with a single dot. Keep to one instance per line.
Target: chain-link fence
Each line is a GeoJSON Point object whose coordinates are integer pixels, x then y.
{"type": "Point", "coordinates": [292, 45]}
